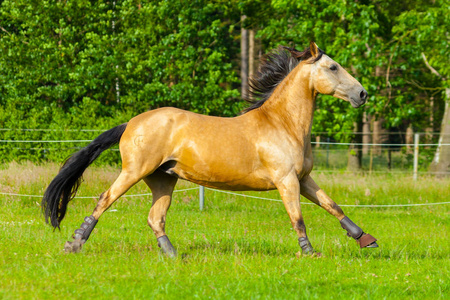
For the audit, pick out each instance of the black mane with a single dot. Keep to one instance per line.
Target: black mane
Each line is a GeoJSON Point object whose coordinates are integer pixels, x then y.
{"type": "Point", "coordinates": [273, 68]}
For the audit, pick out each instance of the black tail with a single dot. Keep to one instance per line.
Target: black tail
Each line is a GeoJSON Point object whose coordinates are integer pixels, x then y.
{"type": "Point", "coordinates": [64, 186]}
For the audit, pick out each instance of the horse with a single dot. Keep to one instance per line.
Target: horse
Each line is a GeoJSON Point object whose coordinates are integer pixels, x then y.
{"type": "Point", "coordinates": [266, 147]}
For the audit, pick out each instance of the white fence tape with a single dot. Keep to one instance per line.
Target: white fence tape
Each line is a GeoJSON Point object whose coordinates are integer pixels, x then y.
{"type": "Point", "coordinates": [247, 196]}
{"type": "Point", "coordinates": [91, 197]}
{"type": "Point", "coordinates": [343, 205]}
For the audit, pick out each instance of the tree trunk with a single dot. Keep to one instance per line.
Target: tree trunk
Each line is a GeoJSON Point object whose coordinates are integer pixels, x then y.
{"type": "Point", "coordinates": [355, 151]}
{"type": "Point", "coordinates": [366, 139]}
{"type": "Point", "coordinates": [376, 137]}
{"type": "Point", "coordinates": [377, 124]}
{"type": "Point", "coordinates": [441, 162]}
{"type": "Point", "coordinates": [430, 128]}
{"type": "Point", "coordinates": [251, 53]}
{"type": "Point", "coordinates": [317, 141]}
{"type": "Point", "coordinates": [409, 139]}
{"type": "Point", "coordinates": [244, 59]}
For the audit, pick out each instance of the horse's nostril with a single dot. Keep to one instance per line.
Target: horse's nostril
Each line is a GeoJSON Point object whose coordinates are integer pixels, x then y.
{"type": "Point", "coordinates": [363, 95]}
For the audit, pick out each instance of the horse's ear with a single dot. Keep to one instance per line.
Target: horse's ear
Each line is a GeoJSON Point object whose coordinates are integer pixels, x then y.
{"type": "Point", "coordinates": [313, 49]}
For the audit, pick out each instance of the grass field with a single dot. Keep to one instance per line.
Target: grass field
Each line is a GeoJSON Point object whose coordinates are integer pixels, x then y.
{"type": "Point", "coordinates": [237, 248]}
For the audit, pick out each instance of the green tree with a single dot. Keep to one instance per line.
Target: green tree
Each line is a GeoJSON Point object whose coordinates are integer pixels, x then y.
{"type": "Point", "coordinates": [178, 53]}
{"type": "Point", "coordinates": [422, 39]}
{"type": "Point", "coordinates": [62, 63]}
{"type": "Point", "coordinates": [362, 36]}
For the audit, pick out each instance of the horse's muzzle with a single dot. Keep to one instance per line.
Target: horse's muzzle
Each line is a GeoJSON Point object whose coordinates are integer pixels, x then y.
{"type": "Point", "coordinates": [363, 95]}
{"type": "Point", "coordinates": [358, 101]}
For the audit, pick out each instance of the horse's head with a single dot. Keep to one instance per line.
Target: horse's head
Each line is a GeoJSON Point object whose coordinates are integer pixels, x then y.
{"type": "Point", "coordinates": [329, 78]}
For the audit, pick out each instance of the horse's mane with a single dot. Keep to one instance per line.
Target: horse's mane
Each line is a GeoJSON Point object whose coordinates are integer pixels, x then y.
{"type": "Point", "coordinates": [273, 68]}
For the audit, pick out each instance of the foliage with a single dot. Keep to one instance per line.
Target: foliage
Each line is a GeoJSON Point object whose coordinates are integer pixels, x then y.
{"type": "Point", "coordinates": [174, 54]}
{"type": "Point", "coordinates": [418, 33]}
{"type": "Point", "coordinates": [93, 64]}
{"type": "Point", "coordinates": [64, 51]}
{"type": "Point", "coordinates": [63, 63]}
{"type": "Point", "coordinates": [362, 36]}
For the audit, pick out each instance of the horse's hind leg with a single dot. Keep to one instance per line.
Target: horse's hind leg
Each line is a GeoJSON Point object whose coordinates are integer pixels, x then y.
{"type": "Point", "coordinates": [311, 190]}
{"type": "Point", "coordinates": [117, 189]}
{"type": "Point", "coordinates": [162, 186]}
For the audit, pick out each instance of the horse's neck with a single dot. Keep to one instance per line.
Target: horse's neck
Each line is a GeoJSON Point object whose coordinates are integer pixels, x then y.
{"type": "Point", "coordinates": [292, 103]}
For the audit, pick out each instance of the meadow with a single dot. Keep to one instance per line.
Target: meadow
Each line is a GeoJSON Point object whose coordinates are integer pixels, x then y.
{"type": "Point", "coordinates": [236, 248]}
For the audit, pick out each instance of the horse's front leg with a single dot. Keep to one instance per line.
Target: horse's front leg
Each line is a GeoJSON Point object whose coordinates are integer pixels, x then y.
{"type": "Point", "coordinates": [311, 190]}
{"type": "Point", "coordinates": [289, 189]}
{"type": "Point", "coordinates": [162, 186]}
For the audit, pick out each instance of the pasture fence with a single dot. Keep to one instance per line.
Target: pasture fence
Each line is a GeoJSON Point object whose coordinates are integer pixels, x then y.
{"type": "Point", "coordinates": [201, 190]}
{"type": "Point", "coordinates": [330, 150]}
{"type": "Point", "coordinates": [330, 155]}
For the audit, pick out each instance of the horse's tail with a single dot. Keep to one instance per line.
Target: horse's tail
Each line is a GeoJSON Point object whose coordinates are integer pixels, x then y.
{"type": "Point", "coordinates": [64, 186]}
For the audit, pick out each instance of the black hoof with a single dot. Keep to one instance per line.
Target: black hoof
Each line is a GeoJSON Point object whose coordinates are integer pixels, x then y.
{"type": "Point", "coordinates": [367, 241]}
{"type": "Point", "coordinates": [312, 253]}
{"type": "Point", "coordinates": [166, 246]}
{"type": "Point", "coordinates": [73, 247]}
{"type": "Point", "coordinates": [373, 245]}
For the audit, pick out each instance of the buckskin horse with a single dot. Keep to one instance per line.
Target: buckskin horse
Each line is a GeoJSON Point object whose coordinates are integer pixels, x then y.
{"type": "Point", "coordinates": [166, 144]}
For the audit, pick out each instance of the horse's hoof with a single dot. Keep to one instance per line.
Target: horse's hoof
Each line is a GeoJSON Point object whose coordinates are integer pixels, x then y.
{"type": "Point", "coordinates": [312, 253]}
{"type": "Point", "coordinates": [73, 247]}
{"type": "Point", "coordinates": [166, 246]}
{"type": "Point", "coordinates": [367, 241]}
{"type": "Point", "coordinates": [373, 245]}
{"type": "Point", "coordinates": [315, 254]}
{"type": "Point", "coordinates": [308, 252]}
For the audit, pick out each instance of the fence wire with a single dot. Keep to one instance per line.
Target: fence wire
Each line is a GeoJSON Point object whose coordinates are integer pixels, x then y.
{"type": "Point", "coordinates": [329, 155]}
{"type": "Point", "coordinates": [247, 196]}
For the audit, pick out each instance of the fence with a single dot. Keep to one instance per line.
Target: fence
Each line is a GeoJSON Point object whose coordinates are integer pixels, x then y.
{"type": "Point", "coordinates": [201, 190]}
{"type": "Point", "coordinates": [329, 154]}
{"type": "Point", "coordinates": [408, 158]}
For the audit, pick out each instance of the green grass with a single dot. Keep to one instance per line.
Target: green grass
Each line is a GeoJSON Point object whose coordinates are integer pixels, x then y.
{"type": "Point", "coordinates": [237, 248]}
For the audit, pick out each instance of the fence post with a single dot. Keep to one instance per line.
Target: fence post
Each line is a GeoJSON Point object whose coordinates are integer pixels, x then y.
{"type": "Point", "coordinates": [416, 155]}
{"type": "Point", "coordinates": [328, 149]}
{"type": "Point", "coordinates": [202, 196]}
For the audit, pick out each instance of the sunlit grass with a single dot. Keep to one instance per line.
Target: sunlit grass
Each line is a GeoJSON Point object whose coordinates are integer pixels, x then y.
{"type": "Point", "coordinates": [237, 248]}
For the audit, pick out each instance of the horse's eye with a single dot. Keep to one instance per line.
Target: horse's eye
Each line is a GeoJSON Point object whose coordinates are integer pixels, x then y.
{"type": "Point", "coordinates": [333, 68]}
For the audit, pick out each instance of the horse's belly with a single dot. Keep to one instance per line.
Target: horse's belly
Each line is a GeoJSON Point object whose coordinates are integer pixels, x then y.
{"type": "Point", "coordinates": [223, 178]}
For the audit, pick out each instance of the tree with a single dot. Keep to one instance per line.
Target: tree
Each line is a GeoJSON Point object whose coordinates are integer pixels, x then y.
{"type": "Point", "coordinates": [244, 59]}
{"type": "Point", "coordinates": [178, 53]}
{"type": "Point", "coordinates": [361, 36]}
{"type": "Point", "coordinates": [349, 32]}
{"type": "Point", "coordinates": [424, 38]}
{"type": "Point", "coordinates": [60, 63]}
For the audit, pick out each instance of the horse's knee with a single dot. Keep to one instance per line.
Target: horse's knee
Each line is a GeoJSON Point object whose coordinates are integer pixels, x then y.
{"type": "Point", "coordinates": [154, 222]}
{"type": "Point", "coordinates": [157, 225]}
